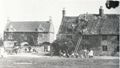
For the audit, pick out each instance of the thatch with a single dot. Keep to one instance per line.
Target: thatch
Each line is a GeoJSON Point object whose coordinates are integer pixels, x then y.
{"type": "Point", "coordinates": [29, 26]}
{"type": "Point", "coordinates": [90, 24]}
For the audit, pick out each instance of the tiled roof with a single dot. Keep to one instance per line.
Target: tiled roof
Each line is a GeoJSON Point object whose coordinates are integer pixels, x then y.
{"type": "Point", "coordinates": [92, 24]}
{"type": "Point", "coordinates": [28, 26]}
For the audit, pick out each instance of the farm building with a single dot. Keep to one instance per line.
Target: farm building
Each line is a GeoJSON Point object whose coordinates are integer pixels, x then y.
{"type": "Point", "coordinates": [32, 32]}
{"type": "Point", "coordinates": [99, 32]}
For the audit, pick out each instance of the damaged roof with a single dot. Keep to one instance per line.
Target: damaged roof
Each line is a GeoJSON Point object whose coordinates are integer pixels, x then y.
{"type": "Point", "coordinates": [90, 24]}
{"type": "Point", "coordinates": [66, 23]}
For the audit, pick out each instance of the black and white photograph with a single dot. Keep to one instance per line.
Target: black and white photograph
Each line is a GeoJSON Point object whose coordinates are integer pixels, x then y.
{"type": "Point", "coordinates": [59, 33]}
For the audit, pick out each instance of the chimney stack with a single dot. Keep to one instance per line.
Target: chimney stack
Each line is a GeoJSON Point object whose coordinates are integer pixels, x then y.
{"type": "Point", "coordinates": [63, 12]}
{"type": "Point", "coordinates": [101, 11]}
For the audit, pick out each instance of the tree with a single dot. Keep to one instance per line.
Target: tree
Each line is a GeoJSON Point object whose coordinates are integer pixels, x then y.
{"type": "Point", "coordinates": [55, 48]}
{"type": "Point", "coordinates": [62, 45]}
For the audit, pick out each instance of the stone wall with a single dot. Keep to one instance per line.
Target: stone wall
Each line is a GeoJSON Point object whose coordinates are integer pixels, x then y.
{"type": "Point", "coordinates": [42, 37]}
{"type": "Point", "coordinates": [101, 44]}
{"type": "Point", "coordinates": [32, 38]}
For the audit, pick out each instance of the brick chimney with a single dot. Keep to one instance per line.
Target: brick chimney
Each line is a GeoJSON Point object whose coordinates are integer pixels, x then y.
{"type": "Point", "coordinates": [101, 11]}
{"type": "Point", "coordinates": [63, 12]}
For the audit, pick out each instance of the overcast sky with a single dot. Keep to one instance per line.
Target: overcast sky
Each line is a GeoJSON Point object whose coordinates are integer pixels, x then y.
{"type": "Point", "coordinates": [40, 10]}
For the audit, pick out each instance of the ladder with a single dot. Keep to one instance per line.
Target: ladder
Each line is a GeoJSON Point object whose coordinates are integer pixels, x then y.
{"type": "Point", "coordinates": [78, 43]}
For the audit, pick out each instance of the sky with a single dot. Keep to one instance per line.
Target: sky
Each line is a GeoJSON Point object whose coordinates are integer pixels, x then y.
{"type": "Point", "coordinates": [41, 10]}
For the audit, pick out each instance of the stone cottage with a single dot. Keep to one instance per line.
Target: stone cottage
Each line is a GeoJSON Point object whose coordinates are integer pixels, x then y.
{"type": "Point", "coordinates": [99, 32]}
{"type": "Point", "coordinates": [33, 32]}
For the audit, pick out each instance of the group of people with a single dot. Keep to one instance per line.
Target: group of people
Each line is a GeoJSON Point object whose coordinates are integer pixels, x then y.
{"type": "Point", "coordinates": [87, 53]}
{"type": "Point", "coordinates": [83, 54]}
{"type": "Point", "coordinates": [30, 50]}
{"type": "Point", "coordinates": [15, 50]}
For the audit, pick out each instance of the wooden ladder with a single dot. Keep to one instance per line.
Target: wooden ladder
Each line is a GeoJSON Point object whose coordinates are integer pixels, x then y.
{"type": "Point", "coordinates": [78, 43]}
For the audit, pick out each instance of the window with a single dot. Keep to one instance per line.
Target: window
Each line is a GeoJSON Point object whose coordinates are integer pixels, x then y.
{"type": "Point", "coordinates": [104, 37]}
{"type": "Point", "coordinates": [104, 48]}
{"type": "Point", "coordinates": [69, 30]}
{"type": "Point", "coordinates": [85, 37]}
{"type": "Point", "coordinates": [69, 36]}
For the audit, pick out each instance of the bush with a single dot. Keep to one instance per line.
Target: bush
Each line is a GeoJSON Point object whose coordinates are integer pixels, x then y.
{"type": "Point", "coordinates": [62, 45]}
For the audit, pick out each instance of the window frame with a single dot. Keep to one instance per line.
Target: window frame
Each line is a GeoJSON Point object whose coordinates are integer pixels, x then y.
{"type": "Point", "coordinates": [104, 48]}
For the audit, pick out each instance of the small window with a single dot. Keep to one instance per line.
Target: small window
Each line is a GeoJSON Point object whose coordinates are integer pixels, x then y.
{"type": "Point", "coordinates": [69, 36]}
{"type": "Point", "coordinates": [69, 30]}
{"type": "Point", "coordinates": [104, 37]}
{"type": "Point", "coordinates": [104, 48]}
{"type": "Point", "coordinates": [85, 37]}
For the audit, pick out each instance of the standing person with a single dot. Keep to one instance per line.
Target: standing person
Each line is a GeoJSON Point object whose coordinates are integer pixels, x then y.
{"type": "Point", "coordinates": [85, 53]}
{"type": "Point", "coordinates": [2, 52]}
{"type": "Point", "coordinates": [29, 49]}
{"type": "Point", "coordinates": [61, 53]}
{"type": "Point", "coordinates": [90, 54]}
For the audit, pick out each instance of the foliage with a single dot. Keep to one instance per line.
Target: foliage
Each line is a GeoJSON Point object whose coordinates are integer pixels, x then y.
{"type": "Point", "coordinates": [62, 45]}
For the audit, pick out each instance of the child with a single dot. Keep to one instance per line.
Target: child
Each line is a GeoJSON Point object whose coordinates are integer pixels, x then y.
{"type": "Point", "coordinates": [90, 54]}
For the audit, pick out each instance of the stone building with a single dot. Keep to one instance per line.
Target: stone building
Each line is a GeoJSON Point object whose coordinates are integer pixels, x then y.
{"type": "Point", "coordinates": [99, 32]}
{"type": "Point", "coordinates": [33, 32]}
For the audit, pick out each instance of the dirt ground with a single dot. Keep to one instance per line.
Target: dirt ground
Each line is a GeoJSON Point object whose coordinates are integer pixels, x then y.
{"type": "Point", "coordinates": [27, 61]}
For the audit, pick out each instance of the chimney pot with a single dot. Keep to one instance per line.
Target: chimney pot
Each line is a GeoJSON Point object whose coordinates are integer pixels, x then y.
{"type": "Point", "coordinates": [63, 12]}
{"type": "Point", "coordinates": [101, 11]}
